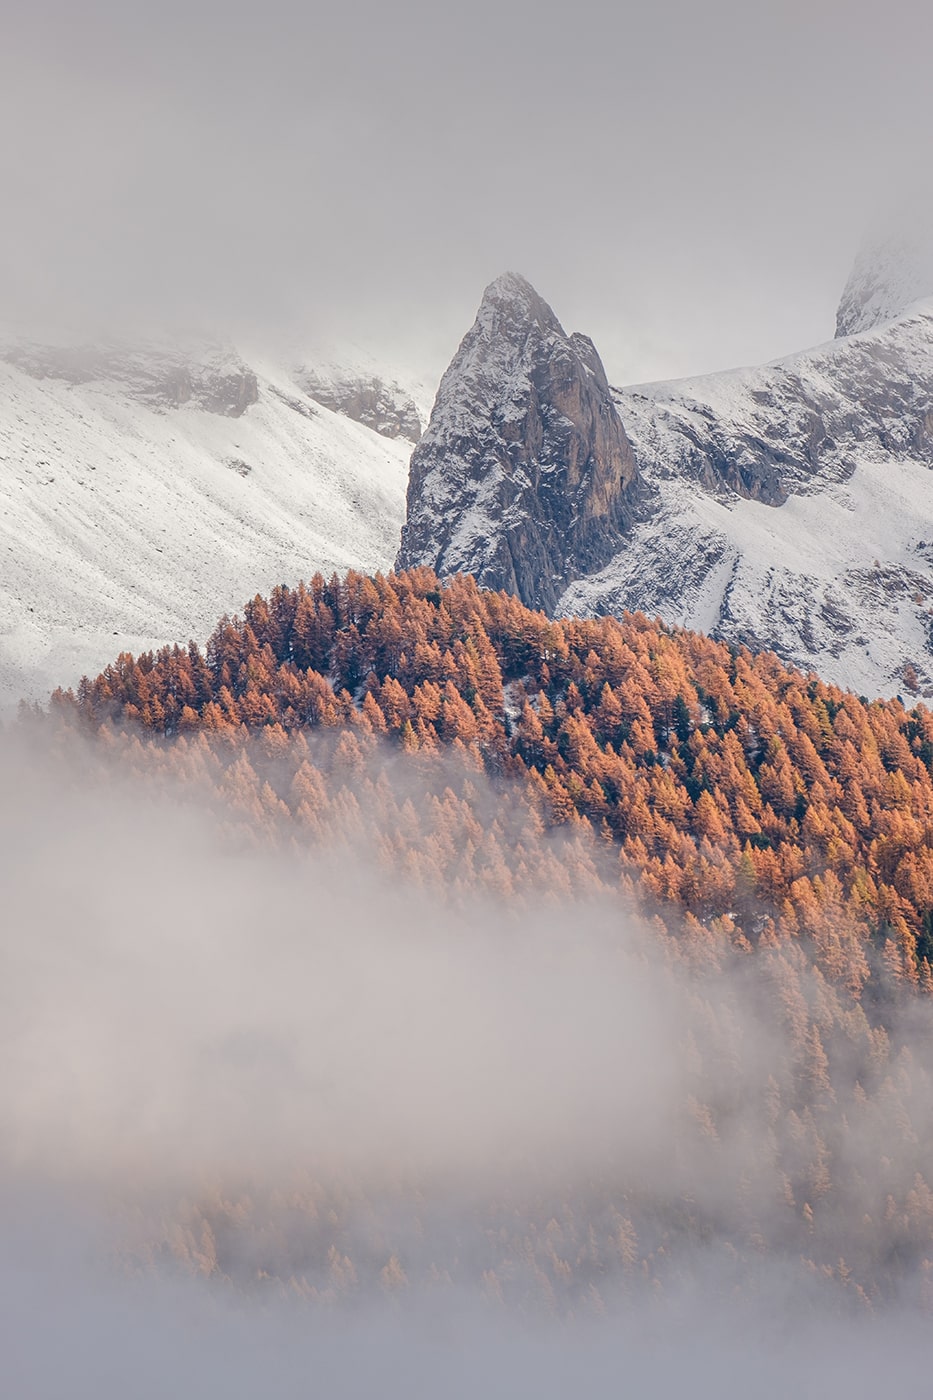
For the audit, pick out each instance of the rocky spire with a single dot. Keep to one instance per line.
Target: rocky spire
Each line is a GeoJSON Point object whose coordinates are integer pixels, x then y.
{"type": "Point", "coordinates": [524, 476]}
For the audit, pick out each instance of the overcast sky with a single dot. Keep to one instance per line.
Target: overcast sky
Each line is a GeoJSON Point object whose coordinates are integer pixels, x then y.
{"type": "Point", "coordinates": [686, 182]}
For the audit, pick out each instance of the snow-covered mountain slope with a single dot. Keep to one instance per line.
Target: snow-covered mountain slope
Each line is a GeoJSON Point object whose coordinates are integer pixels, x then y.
{"type": "Point", "coordinates": [834, 574]}
{"type": "Point", "coordinates": [840, 582]}
{"type": "Point", "coordinates": [144, 494]}
{"type": "Point", "coordinates": [788, 506]}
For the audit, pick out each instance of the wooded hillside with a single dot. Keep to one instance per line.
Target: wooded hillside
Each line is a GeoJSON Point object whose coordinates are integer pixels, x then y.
{"type": "Point", "coordinates": [763, 804]}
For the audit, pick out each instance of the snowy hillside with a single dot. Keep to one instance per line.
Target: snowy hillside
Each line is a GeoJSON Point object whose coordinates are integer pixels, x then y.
{"type": "Point", "coordinates": [788, 506]}
{"type": "Point", "coordinates": [144, 492]}
{"type": "Point", "coordinates": [143, 495]}
{"type": "Point", "coordinates": [835, 572]}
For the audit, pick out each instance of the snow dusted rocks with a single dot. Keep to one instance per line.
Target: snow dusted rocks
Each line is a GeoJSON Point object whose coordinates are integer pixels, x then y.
{"type": "Point", "coordinates": [887, 277]}
{"type": "Point", "coordinates": [788, 506]}
{"type": "Point", "coordinates": [831, 568]}
{"type": "Point", "coordinates": [524, 476]}
{"type": "Point", "coordinates": [366, 398]}
{"type": "Point", "coordinates": [145, 492]}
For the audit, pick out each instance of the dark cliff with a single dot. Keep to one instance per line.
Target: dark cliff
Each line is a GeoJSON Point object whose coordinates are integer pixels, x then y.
{"type": "Point", "coordinates": [525, 476]}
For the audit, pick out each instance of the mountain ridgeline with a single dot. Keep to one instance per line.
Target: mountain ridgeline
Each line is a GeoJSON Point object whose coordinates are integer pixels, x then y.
{"type": "Point", "coordinates": [787, 507]}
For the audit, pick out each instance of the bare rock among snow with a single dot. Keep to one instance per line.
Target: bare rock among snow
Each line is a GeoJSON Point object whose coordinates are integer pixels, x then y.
{"type": "Point", "coordinates": [787, 506]}
{"type": "Point", "coordinates": [827, 565]}
{"type": "Point", "coordinates": [525, 476]}
{"type": "Point", "coordinates": [366, 398]}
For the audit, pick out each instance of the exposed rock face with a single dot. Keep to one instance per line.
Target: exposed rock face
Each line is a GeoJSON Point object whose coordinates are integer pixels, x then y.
{"type": "Point", "coordinates": [791, 427]}
{"type": "Point", "coordinates": [525, 476]}
{"type": "Point", "coordinates": [367, 399]}
{"type": "Point", "coordinates": [227, 390]}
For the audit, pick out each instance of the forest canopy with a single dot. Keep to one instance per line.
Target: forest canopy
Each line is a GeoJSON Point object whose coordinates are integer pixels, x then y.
{"type": "Point", "coordinates": [755, 804]}
{"type": "Point", "coordinates": [763, 839]}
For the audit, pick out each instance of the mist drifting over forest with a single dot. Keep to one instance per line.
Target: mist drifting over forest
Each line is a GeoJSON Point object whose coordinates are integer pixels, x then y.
{"type": "Point", "coordinates": [410, 994]}
{"type": "Point", "coordinates": [282, 1116]}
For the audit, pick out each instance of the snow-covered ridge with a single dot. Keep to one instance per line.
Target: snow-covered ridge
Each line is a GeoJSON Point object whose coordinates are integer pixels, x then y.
{"type": "Point", "coordinates": [146, 490]}
{"type": "Point", "coordinates": [796, 424]}
{"type": "Point", "coordinates": [144, 493]}
{"type": "Point", "coordinates": [786, 506]}
{"type": "Point", "coordinates": [795, 508]}
{"type": "Point", "coordinates": [888, 276]}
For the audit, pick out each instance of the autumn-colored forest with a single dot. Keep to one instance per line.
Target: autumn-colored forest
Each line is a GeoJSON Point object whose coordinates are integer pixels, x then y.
{"type": "Point", "coordinates": [775, 833]}
{"type": "Point", "coordinates": [760, 804]}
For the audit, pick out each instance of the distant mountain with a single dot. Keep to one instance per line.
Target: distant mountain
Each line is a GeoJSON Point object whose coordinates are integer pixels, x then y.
{"type": "Point", "coordinates": [887, 277]}
{"type": "Point", "coordinates": [365, 397]}
{"type": "Point", "coordinates": [143, 488]}
{"type": "Point", "coordinates": [789, 506]}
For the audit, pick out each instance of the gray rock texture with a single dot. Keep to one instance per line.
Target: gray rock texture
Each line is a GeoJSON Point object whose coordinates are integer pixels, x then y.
{"type": "Point", "coordinates": [367, 399]}
{"type": "Point", "coordinates": [787, 506]}
{"type": "Point", "coordinates": [524, 476]}
{"type": "Point", "coordinates": [887, 276]}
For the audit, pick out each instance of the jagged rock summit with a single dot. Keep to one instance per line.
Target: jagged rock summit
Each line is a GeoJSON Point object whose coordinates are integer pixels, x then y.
{"type": "Point", "coordinates": [787, 506]}
{"type": "Point", "coordinates": [524, 476]}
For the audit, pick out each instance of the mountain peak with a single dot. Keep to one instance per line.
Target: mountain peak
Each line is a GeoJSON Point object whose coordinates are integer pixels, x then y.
{"type": "Point", "coordinates": [887, 276]}
{"type": "Point", "coordinates": [525, 477]}
{"type": "Point", "coordinates": [511, 303]}
{"type": "Point", "coordinates": [509, 285]}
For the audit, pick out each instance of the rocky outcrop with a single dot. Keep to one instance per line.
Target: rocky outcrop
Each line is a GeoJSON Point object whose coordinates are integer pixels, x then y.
{"type": "Point", "coordinates": [212, 378]}
{"type": "Point", "coordinates": [227, 389]}
{"type": "Point", "coordinates": [787, 506]}
{"type": "Point", "coordinates": [795, 426]}
{"type": "Point", "coordinates": [367, 399]}
{"type": "Point", "coordinates": [525, 476]}
{"type": "Point", "coordinates": [795, 507]}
